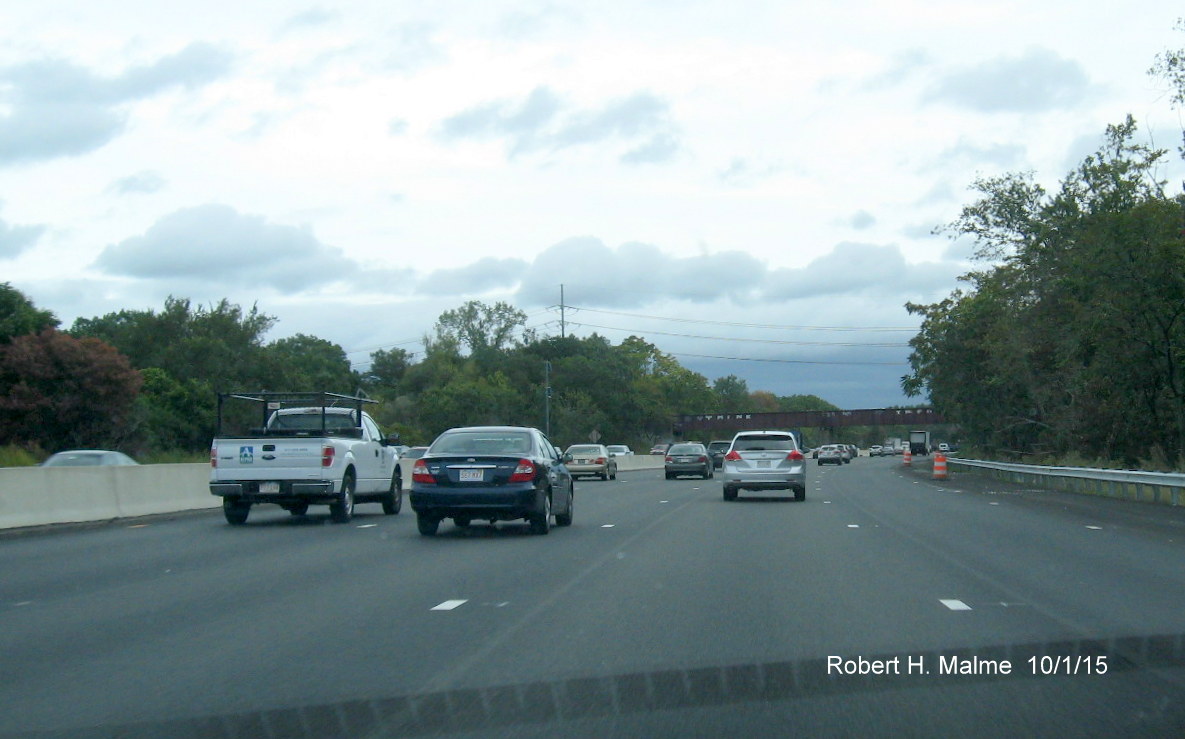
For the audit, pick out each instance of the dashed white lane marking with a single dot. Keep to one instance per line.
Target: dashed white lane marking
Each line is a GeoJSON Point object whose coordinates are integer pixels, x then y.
{"type": "Point", "coordinates": [368, 525]}
{"type": "Point", "coordinates": [1095, 528]}
{"type": "Point", "coordinates": [853, 526]}
{"type": "Point", "coordinates": [826, 501]}
{"type": "Point", "coordinates": [955, 605]}
{"type": "Point", "coordinates": [23, 603]}
{"type": "Point", "coordinates": [664, 501]}
{"type": "Point", "coordinates": [993, 504]}
{"type": "Point", "coordinates": [448, 605]}
{"type": "Point", "coordinates": [608, 525]}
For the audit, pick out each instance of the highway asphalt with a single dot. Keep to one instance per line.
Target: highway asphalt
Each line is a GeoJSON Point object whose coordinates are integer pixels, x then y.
{"type": "Point", "coordinates": [885, 604]}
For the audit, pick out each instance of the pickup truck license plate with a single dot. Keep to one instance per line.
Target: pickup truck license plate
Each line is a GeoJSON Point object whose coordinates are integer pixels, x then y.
{"type": "Point", "coordinates": [471, 475]}
{"type": "Point", "coordinates": [269, 487]}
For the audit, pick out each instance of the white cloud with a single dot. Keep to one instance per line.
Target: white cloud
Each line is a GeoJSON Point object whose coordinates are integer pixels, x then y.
{"type": "Point", "coordinates": [1038, 80]}
{"type": "Point", "coordinates": [217, 244]}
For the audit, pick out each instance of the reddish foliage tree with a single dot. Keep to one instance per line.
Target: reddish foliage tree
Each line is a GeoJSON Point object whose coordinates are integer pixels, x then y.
{"type": "Point", "coordinates": [65, 393]}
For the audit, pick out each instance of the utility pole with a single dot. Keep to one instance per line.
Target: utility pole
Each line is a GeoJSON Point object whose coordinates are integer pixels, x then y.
{"type": "Point", "coordinates": [547, 399]}
{"type": "Point", "coordinates": [563, 324]}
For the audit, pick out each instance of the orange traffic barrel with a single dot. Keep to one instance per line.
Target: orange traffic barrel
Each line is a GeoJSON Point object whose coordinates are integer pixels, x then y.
{"type": "Point", "coordinates": [939, 467]}
{"type": "Point", "coordinates": [907, 458]}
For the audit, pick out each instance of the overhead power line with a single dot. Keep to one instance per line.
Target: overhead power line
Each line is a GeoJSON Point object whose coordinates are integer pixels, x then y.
{"type": "Point", "coordinates": [754, 341]}
{"type": "Point", "coordinates": [787, 361]}
{"type": "Point", "coordinates": [783, 327]}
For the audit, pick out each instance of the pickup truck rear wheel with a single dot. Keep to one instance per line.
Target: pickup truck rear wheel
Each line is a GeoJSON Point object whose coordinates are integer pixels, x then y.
{"type": "Point", "coordinates": [342, 509]}
{"type": "Point", "coordinates": [236, 512]}
{"type": "Point", "coordinates": [393, 499]}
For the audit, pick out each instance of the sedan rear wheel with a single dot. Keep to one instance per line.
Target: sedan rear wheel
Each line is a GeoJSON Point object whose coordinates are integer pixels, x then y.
{"type": "Point", "coordinates": [541, 522]}
{"type": "Point", "coordinates": [427, 524]}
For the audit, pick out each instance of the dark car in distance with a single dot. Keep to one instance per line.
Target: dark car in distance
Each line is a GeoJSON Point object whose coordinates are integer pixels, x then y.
{"type": "Point", "coordinates": [493, 473]}
{"type": "Point", "coordinates": [688, 459]}
{"type": "Point", "coordinates": [717, 449]}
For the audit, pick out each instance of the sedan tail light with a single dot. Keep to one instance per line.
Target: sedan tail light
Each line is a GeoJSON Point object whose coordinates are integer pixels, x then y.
{"type": "Point", "coordinates": [794, 456]}
{"type": "Point", "coordinates": [600, 460]}
{"type": "Point", "coordinates": [702, 458]}
{"type": "Point", "coordinates": [733, 456]}
{"type": "Point", "coordinates": [524, 472]}
{"type": "Point", "coordinates": [669, 459]}
{"type": "Point", "coordinates": [420, 473]}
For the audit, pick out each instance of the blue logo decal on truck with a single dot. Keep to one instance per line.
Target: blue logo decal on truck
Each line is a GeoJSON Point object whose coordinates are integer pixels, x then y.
{"type": "Point", "coordinates": [246, 455]}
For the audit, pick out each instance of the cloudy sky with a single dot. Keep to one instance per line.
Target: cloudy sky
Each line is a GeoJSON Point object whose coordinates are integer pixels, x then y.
{"type": "Point", "coordinates": [752, 186]}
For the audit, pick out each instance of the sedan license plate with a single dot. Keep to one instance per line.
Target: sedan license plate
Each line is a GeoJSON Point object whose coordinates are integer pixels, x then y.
{"type": "Point", "coordinates": [269, 487]}
{"type": "Point", "coordinates": [763, 463]}
{"type": "Point", "coordinates": [471, 475]}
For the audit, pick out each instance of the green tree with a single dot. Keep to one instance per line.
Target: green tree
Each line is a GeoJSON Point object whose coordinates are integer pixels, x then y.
{"type": "Point", "coordinates": [18, 315]}
{"type": "Point", "coordinates": [482, 328]}
{"type": "Point", "coordinates": [1077, 320]}
{"type": "Point", "coordinates": [304, 363]}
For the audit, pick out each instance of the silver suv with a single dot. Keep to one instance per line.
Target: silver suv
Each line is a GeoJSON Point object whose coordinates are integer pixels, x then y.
{"type": "Point", "coordinates": [764, 460]}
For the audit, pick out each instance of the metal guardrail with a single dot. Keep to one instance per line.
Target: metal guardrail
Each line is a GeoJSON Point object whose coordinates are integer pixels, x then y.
{"type": "Point", "coordinates": [1151, 487]}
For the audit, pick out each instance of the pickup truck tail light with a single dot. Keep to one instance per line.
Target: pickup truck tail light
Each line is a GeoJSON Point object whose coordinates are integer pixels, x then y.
{"type": "Point", "coordinates": [213, 456]}
{"type": "Point", "coordinates": [733, 456]}
{"type": "Point", "coordinates": [794, 456]}
{"type": "Point", "coordinates": [524, 472]}
{"type": "Point", "coordinates": [327, 455]}
{"type": "Point", "coordinates": [420, 473]}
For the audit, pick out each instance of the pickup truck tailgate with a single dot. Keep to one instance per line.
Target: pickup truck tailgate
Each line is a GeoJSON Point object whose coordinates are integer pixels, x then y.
{"type": "Point", "coordinates": [259, 459]}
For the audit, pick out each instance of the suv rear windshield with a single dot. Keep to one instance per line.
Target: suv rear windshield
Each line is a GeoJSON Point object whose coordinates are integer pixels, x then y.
{"type": "Point", "coordinates": [763, 443]}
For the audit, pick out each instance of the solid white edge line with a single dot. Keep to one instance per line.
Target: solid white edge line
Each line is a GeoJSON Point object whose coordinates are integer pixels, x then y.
{"type": "Point", "coordinates": [448, 605]}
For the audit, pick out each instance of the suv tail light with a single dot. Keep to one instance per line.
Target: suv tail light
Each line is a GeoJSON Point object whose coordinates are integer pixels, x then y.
{"type": "Point", "coordinates": [733, 456]}
{"type": "Point", "coordinates": [524, 472]}
{"type": "Point", "coordinates": [420, 473]}
{"type": "Point", "coordinates": [327, 454]}
{"type": "Point", "coordinates": [794, 456]}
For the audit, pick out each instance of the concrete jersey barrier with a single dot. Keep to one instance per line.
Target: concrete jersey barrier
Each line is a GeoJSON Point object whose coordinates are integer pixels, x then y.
{"type": "Point", "coordinates": [38, 496]}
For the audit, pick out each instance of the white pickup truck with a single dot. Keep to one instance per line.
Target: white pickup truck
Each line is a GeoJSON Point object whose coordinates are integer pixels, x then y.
{"type": "Point", "coordinates": [314, 448]}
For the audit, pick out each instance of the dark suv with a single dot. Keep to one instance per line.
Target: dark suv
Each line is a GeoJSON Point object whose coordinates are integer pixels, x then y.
{"type": "Point", "coordinates": [717, 449]}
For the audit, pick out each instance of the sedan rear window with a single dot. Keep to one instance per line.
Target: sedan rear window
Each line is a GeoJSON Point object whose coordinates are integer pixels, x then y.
{"type": "Point", "coordinates": [584, 449]}
{"type": "Point", "coordinates": [482, 442]}
{"type": "Point", "coordinates": [685, 449]}
{"type": "Point", "coordinates": [763, 443]}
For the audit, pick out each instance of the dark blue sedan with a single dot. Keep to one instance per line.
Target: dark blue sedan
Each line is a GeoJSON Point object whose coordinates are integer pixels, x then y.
{"type": "Point", "coordinates": [492, 473]}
